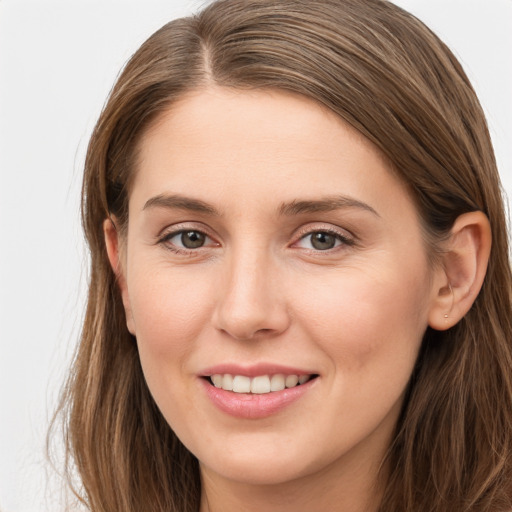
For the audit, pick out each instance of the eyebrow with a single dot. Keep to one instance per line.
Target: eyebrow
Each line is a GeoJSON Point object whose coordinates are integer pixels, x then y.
{"type": "Point", "coordinates": [296, 207]}
{"type": "Point", "coordinates": [325, 204]}
{"type": "Point", "coordinates": [176, 201]}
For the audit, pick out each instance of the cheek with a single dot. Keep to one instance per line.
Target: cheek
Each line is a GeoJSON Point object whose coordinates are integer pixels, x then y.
{"type": "Point", "coordinates": [169, 310]}
{"type": "Point", "coordinates": [364, 320]}
{"type": "Point", "coordinates": [369, 328]}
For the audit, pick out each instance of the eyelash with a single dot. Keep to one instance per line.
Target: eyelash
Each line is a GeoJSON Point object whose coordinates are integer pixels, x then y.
{"type": "Point", "coordinates": [165, 241]}
{"type": "Point", "coordinates": [342, 238]}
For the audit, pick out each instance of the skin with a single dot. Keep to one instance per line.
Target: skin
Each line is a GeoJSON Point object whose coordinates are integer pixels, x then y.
{"type": "Point", "coordinates": [259, 291]}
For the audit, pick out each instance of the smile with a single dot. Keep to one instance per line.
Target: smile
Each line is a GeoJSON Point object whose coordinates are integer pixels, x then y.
{"type": "Point", "coordinates": [257, 391]}
{"type": "Point", "coordinates": [260, 384]}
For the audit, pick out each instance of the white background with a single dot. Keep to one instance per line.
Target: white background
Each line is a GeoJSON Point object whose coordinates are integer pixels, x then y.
{"type": "Point", "coordinates": [58, 60]}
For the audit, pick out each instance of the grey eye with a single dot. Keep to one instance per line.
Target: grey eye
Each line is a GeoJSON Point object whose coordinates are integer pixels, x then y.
{"type": "Point", "coordinates": [323, 241]}
{"type": "Point", "coordinates": [192, 239]}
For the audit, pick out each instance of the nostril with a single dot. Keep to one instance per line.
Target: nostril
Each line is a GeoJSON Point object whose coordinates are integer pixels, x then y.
{"type": "Point", "coordinates": [249, 311]}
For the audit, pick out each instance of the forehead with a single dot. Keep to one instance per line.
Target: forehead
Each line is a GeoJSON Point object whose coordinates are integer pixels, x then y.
{"type": "Point", "coordinates": [269, 143]}
{"type": "Point", "coordinates": [258, 116]}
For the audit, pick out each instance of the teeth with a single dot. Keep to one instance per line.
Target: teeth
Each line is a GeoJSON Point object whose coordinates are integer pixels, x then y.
{"type": "Point", "coordinates": [291, 381]}
{"type": "Point", "coordinates": [258, 385]}
{"type": "Point", "coordinates": [277, 382]}
{"type": "Point", "coordinates": [217, 381]}
{"type": "Point", "coordinates": [241, 384]}
{"type": "Point", "coordinates": [227, 382]}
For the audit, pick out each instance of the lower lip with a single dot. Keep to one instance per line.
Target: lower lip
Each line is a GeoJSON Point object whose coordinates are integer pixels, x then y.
{"type": "Point", "coordinates": [255, 406]}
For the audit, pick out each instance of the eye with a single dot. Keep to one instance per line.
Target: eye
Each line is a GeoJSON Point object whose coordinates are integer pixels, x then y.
{"type": "Point", "coordinates": [323, 240]}
{"type": "Point", "coordinates": [186, 239]}
{"type": "Point", "coordinates": [192, 239]}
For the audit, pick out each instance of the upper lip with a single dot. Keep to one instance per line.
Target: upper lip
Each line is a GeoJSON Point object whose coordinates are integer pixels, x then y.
{"type": "Point", "coordinates": [254, 370]}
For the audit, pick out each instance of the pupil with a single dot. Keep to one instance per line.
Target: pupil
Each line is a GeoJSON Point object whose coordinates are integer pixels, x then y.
{"type": "Point", "coordinates": [323, 241]}
{"type": "Point", "coordinates": [192, 239]}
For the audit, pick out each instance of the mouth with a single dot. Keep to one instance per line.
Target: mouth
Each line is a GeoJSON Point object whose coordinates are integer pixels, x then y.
{"type": "Point", "coordinates": [258, 385]}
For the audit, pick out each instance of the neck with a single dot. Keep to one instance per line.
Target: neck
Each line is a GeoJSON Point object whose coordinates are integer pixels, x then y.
{"type": "Point", "coordinates": [346, 487]}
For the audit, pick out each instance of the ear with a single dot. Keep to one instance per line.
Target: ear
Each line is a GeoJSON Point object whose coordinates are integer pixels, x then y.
{"type": "Point", "coordinates": [462, 273]}
{"type": "Point", "coordinates": [113, 246]}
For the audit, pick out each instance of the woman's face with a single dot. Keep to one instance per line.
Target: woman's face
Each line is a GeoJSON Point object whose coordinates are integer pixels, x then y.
{"type": "Point", "coordinates": [269, 241]}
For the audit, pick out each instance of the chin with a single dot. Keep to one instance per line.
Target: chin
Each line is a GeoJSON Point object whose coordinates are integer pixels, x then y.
{"type": "Point", "coordinates": [262, 467]}
{"type": "Point", "coordinates": [251, 473]}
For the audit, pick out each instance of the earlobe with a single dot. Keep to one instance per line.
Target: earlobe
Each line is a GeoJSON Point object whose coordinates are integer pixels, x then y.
{"type": "Point", "coordinates": [113, 247]}
{"type": "Point", "coordinates": [464, 265]}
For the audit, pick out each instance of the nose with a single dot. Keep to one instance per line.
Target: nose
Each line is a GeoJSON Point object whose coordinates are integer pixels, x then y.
{"type": "Point", "coordinates": [251, 301]}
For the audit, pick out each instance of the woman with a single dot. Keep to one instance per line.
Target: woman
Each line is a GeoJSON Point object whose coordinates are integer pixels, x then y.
{"type": "Point", "coordinates": [300, 285]}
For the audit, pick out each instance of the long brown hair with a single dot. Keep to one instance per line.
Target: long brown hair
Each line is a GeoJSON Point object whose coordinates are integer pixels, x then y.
{"type": "Point", "coordinates": [390, 77]}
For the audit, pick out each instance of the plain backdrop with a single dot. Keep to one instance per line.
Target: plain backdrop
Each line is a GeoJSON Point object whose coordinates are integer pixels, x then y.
{"type": "Point", "coordinates": [58, 61]}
